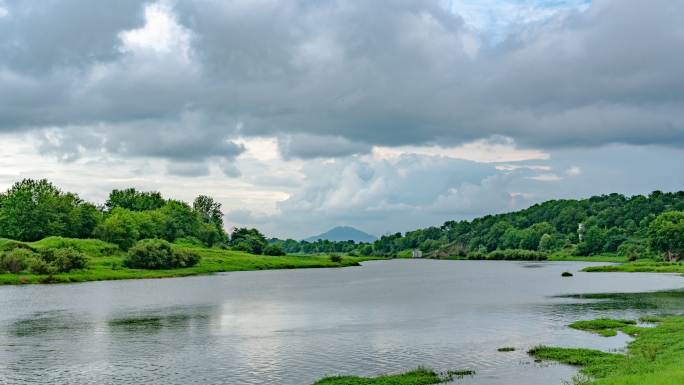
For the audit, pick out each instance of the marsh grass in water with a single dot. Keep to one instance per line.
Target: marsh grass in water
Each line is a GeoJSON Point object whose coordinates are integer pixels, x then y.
{"type": "Point", "coordinates": [506, 349]}
{"type": "Point", "coordinates": [603, 326]}
{"type": "Point", "coordinates": [655, 357]}
{"type": "Point", "coordinates": [420, 376]}
{"type": "Point", "coordinates": [644, 266]}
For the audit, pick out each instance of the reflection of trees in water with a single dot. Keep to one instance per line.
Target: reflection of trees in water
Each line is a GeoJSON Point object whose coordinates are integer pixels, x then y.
{"type": "Point", "coordinates": [45, 322]}
{"type": "Point", "coordinates": [159, 320]}
{"type": "Point", "coordinates": [660, 301]}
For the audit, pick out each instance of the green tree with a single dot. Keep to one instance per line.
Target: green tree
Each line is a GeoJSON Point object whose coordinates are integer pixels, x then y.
{"type": "Point", "coordinates": [249, 240]}
{"type": "Point", "coordinates": [546, 243]}
{"type": "Point", "coordinates": [120, 228]}
{"type": "Point", "coordinates": [134, 200]}
{"type": "Point", "coordinates": [666, 234]}
{"type": "Point", "coordinates": [181, 220]}
{"type": "Point", "coordinates": [593, 241]}
{"type": "Point", "coordinates": [34, 209]}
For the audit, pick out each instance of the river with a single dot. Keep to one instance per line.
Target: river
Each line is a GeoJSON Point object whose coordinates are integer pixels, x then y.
{"type": "Point", "coordinates": [293, 327]}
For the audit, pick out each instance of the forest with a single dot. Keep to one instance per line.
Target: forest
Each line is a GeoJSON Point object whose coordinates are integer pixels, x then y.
{"type": "Point", "coordinates": [35, 209]}
{"type": "Point", "coordinates": [636, 227]}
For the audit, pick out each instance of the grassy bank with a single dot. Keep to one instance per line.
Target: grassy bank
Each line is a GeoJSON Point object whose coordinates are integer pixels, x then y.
{"type": "Point", "coordinates": [655, 357]}
{"type": "Point", "coordinates": [642, 266]}
{"type": "Point", "coordinates": [106, 263]}
{"type": "Point", "coordinates": [420, 376]}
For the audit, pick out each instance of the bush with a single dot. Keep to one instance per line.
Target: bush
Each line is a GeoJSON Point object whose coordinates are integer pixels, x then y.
{"type": "Point", "coordinates": [15, 261]}
{"type": "Point", "coordinates": [64, 259]}
{"type": "Point", "coordinates": [39, 266]}
{"type": "Point", "coordinates": [335, 258]}
{"type": "Point", "coordinates": [159, 254]}
{"type": "Point", "coordinates": [273, 250]}
{"type": "Point", "coordinates": [517, 255]}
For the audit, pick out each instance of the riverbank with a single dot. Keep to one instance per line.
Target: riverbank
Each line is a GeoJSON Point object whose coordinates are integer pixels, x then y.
{"type": "Point", "coordinates": [642, 266]}
{"type": "Point", "coordinates": [106, 263]}
{"type": "Point", "coordinates": [655, 357]}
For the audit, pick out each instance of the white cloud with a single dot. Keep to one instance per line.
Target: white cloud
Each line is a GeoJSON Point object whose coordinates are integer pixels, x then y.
{"type": "Point", "coordinates": [547, 177]}
{"type": "Point", "coordinates": [161, 34]}
{"type": "Point", "coordinates": [493, 150]}
{"type": "Point", "coordinates": [574, 171]}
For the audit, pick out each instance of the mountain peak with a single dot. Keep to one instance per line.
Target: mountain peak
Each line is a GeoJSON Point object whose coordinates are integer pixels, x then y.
{"type": "Point", "coordinates": [343, 233]}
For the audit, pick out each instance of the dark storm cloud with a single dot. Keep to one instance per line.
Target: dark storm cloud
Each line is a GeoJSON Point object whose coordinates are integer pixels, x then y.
{"type": "Point", "coordinates": [336, 77]}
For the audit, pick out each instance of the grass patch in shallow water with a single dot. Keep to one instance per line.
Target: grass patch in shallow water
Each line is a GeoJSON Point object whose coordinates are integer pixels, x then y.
{"type": "Point", "coordinates": [420, 376]}
{"type": "Point", "coordinates": [603, 326]}
{"type": "Point", "coordinates": [655, 357]}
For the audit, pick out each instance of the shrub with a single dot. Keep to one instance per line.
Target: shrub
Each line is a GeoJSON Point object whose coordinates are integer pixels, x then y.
{"type": "Point", "coordinates": [15, 261]}
{"type": "Point", "coordinates": [159, 254]}
{"type": "Point", "coordinates": [273, 250]}
{"type": "Point", "coordinates": [39, 266]}
{"type": "Point", "coordinates": [517, 255]}
{"type": "Point", "coordinates": [566, 274]}
{"type": "Point", "coordinates": [65, 259]}
{"type": "Point", "coordinates": [335, 258]}
{"type": "Point", "coordinates": [185, 258]}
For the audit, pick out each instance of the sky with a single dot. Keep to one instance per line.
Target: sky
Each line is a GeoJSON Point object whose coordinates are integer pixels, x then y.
{"type": "Point", "coordinates": [302, 115]}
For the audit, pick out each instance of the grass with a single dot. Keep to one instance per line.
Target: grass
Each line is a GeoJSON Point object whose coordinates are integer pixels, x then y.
{"type": "Point", "coordinates": [603, 326]}
{"type": "Point", "coordinates": [506, 349]}
{"type": "Point", "coordinates": [655, 357]}
{"type": "Point", "coordinates": [643, 266]}
{"type": "Point", "coordinates": [105, 263]}
{"type": "Point", "coordinates": [420, 376]}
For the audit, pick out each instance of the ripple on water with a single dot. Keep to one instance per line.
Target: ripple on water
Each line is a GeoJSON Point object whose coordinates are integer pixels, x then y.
{"type": "Point", "coordinates": [293, 327]}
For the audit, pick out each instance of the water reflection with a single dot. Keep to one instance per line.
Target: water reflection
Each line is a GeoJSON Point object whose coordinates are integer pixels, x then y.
{"type": "Point", "coordinates": [293, 327]}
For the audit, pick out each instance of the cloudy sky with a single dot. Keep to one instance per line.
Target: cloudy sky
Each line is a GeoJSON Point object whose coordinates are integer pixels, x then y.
{"type": "Point", "coordinates": [300, 115]}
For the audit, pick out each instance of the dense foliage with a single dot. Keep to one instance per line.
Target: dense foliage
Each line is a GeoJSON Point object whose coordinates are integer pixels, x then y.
{"type": "Point", "coordinates": [638, 226]}
{"type": "Point", "coordinates": [34, 209]}
{"type": "Point", "coordinates": [17, 257]}
{"type": "Point", "coordinates": [31, 210]}
{"type": "Point", "coordinates": [159, 254]}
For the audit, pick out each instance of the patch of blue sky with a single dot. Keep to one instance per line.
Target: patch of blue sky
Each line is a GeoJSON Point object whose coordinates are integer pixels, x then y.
{"type": "Point", "coordinates": [494, 19]}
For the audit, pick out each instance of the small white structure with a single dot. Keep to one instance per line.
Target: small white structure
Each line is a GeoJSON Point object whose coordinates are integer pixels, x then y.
{"type": "Point", "coordinates": [417, 254]}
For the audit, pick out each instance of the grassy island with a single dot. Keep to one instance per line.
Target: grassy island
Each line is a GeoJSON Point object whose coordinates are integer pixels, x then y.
{"type": "Point", "coordinates": [420, 376]}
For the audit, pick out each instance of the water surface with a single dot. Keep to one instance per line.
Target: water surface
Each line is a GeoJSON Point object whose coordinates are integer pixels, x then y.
{"type": "Point", "coordinates": [293, 327]}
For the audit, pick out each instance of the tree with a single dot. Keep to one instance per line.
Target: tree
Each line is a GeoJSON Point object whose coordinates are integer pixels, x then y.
{"type": "Point", "coordinates": [181, 220]}
{"type": "Point", "coordinates": [119, 228]}
{"type": "Point", "coordinates": [666, 233]}
{"type": "Point", "coordinates": [209, 210]}
{"type": "Point", "coordinates": [210, 213]}
{"type": "Point", "coordinates": [546, 243]}
{"type": "Point", "coordinates": [34, 209]}
{"type": "Point", "coordinates": [273, 250]}
{"type": "Point", "coordinates": [249, 240]}
{"type": "Point", "coordinates": [593, 241]}
{"type": "Point", "coordinates": [134, 200]}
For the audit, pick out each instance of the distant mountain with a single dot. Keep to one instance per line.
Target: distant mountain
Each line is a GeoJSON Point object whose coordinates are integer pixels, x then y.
{"type": "Point", "coordinates": [343, 233]}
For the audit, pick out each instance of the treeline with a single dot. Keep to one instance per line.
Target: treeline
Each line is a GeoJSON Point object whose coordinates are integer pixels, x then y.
{"type": "Point", "coordinates": [637, 226]}
{"type": "Point", "coordinates": [34, 209]}
{"type": "Point", "coordinates": [322, 246]}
